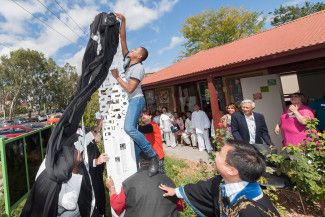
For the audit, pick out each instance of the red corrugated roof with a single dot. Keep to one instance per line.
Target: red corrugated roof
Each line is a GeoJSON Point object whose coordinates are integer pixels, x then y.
{"type": "Point", "coordinates": [304, 32]}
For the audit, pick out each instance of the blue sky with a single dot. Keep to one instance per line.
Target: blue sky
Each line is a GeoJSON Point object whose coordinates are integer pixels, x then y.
{"type": "Point", "coordinates": [155, 24]}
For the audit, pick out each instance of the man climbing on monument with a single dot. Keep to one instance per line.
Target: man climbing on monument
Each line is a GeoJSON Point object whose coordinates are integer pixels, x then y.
{"type": "Point", "coordinates": [134, 74]}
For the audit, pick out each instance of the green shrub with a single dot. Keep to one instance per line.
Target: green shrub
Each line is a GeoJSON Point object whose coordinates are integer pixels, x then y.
{"type": "Point", "coordinates": [178, 171]}
{"type": "Point", "coordinates": [91, 109]}
{"type": "Point", "coordinates": [305, 166]}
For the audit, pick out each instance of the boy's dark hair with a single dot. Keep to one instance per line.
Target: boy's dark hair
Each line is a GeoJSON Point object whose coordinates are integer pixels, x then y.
{"type": "Point", "coordinates": [249, 162]}
{"type": "Point", "coordinates": [145, 54]}
{"type": "Point", "coordinates": [144, 161]}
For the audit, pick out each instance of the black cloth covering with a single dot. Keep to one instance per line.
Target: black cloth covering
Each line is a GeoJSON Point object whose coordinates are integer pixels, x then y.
{"type": "Point", "coordinates": [204, 198]}
{"type": "Point", "coordinates": [85, 196]}
{"type": "Point", "coordinates": [204, 195]}
{"type": "Point", "coordinates": [96, 174]}
{"type": "Point", "coordinates": [60, 149]}
{"type": "Point", "coordinates": [43, 197]}
{"type": "Point", "coordinates": [94, 72]}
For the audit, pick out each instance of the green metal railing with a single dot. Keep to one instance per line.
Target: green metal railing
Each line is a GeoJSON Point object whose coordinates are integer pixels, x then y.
{"type": "Point", "coordinates": [20, 159]}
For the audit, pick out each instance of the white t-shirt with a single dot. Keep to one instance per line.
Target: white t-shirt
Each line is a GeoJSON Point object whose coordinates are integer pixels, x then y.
{"type": "Point", "coordinates": [251, 128]}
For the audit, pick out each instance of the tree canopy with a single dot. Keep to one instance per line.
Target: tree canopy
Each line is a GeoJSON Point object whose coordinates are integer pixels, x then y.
{"type": "Point", "coordinates": [30, 82]}
{"type": "Point", "coordinates": [213, 28]}
{"type": "Point", "coordinates": [285, 14]}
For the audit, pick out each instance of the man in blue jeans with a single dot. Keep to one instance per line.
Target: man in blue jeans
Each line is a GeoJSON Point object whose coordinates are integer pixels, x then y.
{"type": "Point", "coordinates": [134, 73]}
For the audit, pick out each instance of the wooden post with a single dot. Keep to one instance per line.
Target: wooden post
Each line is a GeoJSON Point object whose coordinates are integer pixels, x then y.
{"type": "Point", "coordinates": [214, 101]}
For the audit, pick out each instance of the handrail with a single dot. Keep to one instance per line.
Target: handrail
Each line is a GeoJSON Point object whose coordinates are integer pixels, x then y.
{"type": "Point", "coordinates": [10, 205]}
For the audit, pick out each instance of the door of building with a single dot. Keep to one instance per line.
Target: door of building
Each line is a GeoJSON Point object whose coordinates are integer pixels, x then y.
{"type": "Point", "coordinates": [266, 91]}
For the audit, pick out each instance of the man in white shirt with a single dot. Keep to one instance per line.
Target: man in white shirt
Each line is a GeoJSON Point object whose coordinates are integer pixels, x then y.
{"type": "Point", "coordinates": [249, 126]}
{"type": "Point", "coordinates": [189, 135]}
{"type": "Point", "coordinates": [201, 124]}
{"type": "Point", "coordinates": [166, 119]}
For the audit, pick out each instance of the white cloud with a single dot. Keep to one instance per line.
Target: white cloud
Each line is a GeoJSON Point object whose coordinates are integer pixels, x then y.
{"type": "Point", "coordinates": [174, 41]}
{"type": "Point", "coordinates": [76, 59]}
{"type": "Point", "coordinates": [15, 17]}
{"type": "Point", "coordinates": [19, 29]}
{"type": "Point", "coordinates": [138, 15]}
{"type": "Point", "coordinates": [47, 41]}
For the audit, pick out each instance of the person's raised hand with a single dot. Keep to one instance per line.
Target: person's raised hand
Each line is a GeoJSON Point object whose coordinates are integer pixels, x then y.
{"type": "Point", "coordinates": [115, 73]}
{"type": "Point", "coordinates": [169, 192]}
{"type": "Point", "coordinates": [103, 158]}
{"type": "Point", "coordinates": [119, 16]}
{"type": "Point", "coordinates": [293, 108]}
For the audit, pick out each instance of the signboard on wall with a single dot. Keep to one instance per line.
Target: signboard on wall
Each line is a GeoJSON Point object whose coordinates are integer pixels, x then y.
{"type": "Point", "coordinates": [165, 98]}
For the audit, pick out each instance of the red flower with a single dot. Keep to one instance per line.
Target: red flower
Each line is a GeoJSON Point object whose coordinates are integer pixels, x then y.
{"type": "Point", "coordinates": [220, 124]}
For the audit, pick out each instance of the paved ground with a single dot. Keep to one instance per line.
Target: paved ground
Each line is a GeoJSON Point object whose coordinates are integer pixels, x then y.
{"type": "Point", "coordinates": [186, 152]}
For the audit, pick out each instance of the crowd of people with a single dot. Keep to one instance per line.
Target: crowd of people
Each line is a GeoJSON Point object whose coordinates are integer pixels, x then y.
{"type": "Point", "coordinates": [240, 122]}
{"type": "Point", "coordinates": [149, 192]}
{"type": "Point", "coordinates": [190, 128]}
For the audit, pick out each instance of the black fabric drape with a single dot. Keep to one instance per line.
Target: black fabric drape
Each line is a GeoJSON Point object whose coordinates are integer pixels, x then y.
{"type": "Point", "coordinates": [42, 200]}
{"type": "Point", "coordinates": [94, 72]}
{"type": "Point", "coordinates": [96, 174]}
{"type": "Point", "coordinates": [60, 149]}
{"type": "Point", "coordinates": [85, 196]}
{"type": "Point", "coordinates": [204, 195]}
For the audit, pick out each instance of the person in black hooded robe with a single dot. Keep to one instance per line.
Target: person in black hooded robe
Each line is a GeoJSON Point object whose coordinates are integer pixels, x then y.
{"type": "Point", "coordinates": [96, 169]}
{"type": "Point", "coordinates": [233, 193]}
{"type": "Point", "coordinates": [92, 188]}
{"type": "Point", "coordinates": [101, 48]}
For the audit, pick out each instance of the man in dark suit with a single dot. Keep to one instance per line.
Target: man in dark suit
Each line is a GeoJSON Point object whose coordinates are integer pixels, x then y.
{"type": "Point", "coordinates": [140, 196]}
{"type": "Point", "coordinates": [249, 126]}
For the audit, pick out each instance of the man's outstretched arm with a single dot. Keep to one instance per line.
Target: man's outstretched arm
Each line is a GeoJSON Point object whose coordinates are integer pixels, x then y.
{"type": "Point", "coordinates": [117, 201]}
{"type": "Point", "coordinates": [127, 86]}
{"type": "Point", "coordinates": [125, 49]}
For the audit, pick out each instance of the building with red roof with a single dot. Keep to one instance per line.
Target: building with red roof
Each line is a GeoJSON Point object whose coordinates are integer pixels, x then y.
{"type": "Point", "coordinates": [290, 57]}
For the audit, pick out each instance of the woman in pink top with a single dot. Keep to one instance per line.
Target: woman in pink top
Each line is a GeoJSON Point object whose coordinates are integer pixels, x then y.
{"type": "Point", "coordinates": [293, 121]}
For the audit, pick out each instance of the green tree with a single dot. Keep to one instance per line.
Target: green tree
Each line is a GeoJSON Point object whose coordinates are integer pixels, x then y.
{"type": "Point", "coordinates": [18, 72]}
{"type": "Point", "coordinates": [26, 76]}
{"type": "Point", "coordinates": [91, 109]}
{"type": "Point", "coordinates": [285, 14]}
{"type": "Point", "coordinates": [62, 85]}
{"type": "Point", "coordinates": [214, 28]}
